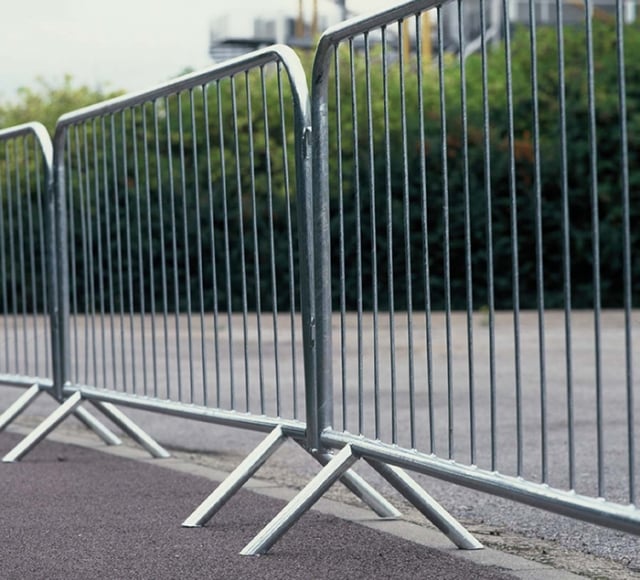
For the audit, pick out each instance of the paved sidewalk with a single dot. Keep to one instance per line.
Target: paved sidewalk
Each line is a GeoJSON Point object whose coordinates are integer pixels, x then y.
{"type": "Point", "coordinates": [77, 512]}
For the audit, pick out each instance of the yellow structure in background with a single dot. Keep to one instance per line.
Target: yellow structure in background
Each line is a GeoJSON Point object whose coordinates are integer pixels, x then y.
{"type": "Point", "coordinates": [300, 32]}
{"type": "Point", "coordinates": [425, 33]}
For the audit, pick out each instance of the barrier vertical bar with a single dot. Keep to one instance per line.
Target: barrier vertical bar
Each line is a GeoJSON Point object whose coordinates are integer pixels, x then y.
{"type": "Point", "coordinates": [626, 252]}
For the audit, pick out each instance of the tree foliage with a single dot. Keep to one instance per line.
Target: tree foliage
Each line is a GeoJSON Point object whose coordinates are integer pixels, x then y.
{"type": "Point", "coordinates": [512, 164]}
{"type": "Point", "coordinates": [48, 101]}
{"type": "Point", "coordinates": [165, 189]}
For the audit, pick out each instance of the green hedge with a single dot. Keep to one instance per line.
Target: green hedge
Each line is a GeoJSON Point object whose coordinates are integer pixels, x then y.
{"type": "Point", "coordinates": [168, 195]}
{"type": "Point", "coordinates": [452, 164]}
{"type": "Point", "coordinates": [168, 192]}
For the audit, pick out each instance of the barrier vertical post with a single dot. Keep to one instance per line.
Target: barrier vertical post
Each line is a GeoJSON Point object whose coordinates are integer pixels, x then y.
{"type": "Point", "coordinates": [59, 269]}
{"type": "Point", "coordinates": [320, 416]}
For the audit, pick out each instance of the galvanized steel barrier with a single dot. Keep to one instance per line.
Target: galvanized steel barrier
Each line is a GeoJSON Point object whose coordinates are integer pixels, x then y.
{"type": "Point", "coordinates": [28, 282]}
{"type": "Point", "coordinates": [25, 175]}
{"type": "Point", "coordinates": [424, 192]}
{"type": "Point", "coordinates": [26, 267]}
{"type": "Point", "coordinates": [188, 165]}
{"type": "Point", "coordinates": [170, 297]}
{"type": "Point", "coordinates": [189, 319]}
{"type": "Point", "coordinates": [430, 178]}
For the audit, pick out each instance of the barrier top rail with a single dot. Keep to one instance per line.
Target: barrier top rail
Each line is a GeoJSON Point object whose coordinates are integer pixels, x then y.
{"type": "Point", "coordinates": [39, 131]}
{"type": "Point", "coordinates": [283, 53]}
{"type": "Point", "coordinates": [362, 24]}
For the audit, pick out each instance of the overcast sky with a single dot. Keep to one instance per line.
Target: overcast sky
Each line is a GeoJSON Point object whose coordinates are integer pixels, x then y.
{"type": "Point", "coordinates": [128, 44]}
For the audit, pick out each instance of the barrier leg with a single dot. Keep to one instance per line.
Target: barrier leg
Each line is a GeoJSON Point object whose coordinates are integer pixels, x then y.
{"type": "Point", "coordinates": [428, 506]}
{"type": "Point", "coordinates": [313, 491]}
{"type": "Point", "coordinates": [361, 489]}
{"type": "Point", "coordinates": [20, 404]}
{"type": "Point", "coordinates": [236, 479]}
{"type": "Point", "coordinates": [132, 429]}
{"type": "Point", "coordinates": [42, 430]}
{"type": "Point", "coordinates": [81, 414]}
{"type": "Point", "coordinates": [101, 430]}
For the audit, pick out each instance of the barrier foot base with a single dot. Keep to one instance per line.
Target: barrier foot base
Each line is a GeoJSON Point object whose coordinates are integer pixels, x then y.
{"type": "Point", "coordinates": [20, 404]}
{"type": "Point", "coordinates": [361, 489]}
{"type": "Point", "coordinates": [132, 429]}
{"type": "Point", "coordinates": [236, 479]}
{"type": "Point", "coordinates": [99, 428]}
{"type": "Point", "coordinates": [81, 414]}
{"type": "Point", "coordinates": [313, 491]}
{"type": "Point", "coordinates": [427, 505]}
{"type": "Point", "coordinates": [42, 430]}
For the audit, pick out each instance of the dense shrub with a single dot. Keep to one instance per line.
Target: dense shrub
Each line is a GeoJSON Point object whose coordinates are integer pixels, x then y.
{"type": "Point", "coordinates": [155, 198]}
{"type": "Point", "coordinates": [487, 157]}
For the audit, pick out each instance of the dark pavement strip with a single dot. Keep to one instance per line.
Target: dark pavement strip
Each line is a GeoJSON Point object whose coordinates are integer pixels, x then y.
{"type": "Point", "coordinates": [70, 512]}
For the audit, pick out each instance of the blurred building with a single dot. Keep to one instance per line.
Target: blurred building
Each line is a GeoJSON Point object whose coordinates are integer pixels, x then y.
{"type": "Point", "coordinates": [545, 11]}
{"type": "Point", "coordinates": [296, 23]}
{"type": "Point", "coordinates": [573, 10]}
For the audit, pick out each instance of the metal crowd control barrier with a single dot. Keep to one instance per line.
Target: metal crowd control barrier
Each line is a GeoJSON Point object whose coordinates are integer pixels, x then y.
{"type": "Point", "coordinates": [25, 173]}
{"type": "Point", "coordinates": [25, 177]}
{"type": "Point", "coordinates": [435, 172]}
{"type": "Point", "coordinates": [27, 276]}
{"type": "Point", "coordinates": [434, 176]}
{"type": "Point", "coordinates": [171, 298]}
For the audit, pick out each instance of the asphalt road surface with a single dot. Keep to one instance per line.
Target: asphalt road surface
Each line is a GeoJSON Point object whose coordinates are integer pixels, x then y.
{"type": "Point", "coordinates": [69, 512]}
{"type": "Point", "coordinates": [142, 348]}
